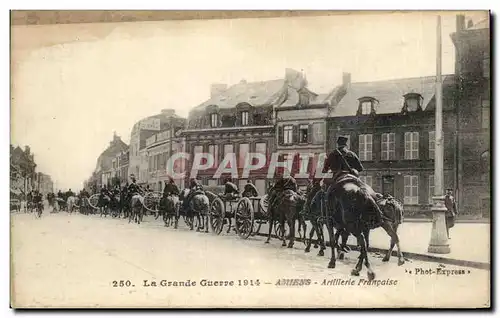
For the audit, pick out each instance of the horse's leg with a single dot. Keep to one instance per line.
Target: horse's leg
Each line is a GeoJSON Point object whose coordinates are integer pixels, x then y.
{"type": "Point", "coordinates": [321, 238]}
{"type": "Point", "coordinates": [333, 242]}
{"type": "Point", "coordinates": [309, 241]}
{"type": "Point", "coordinates": [391, 247]}
{"type": "Point", "coordinates": [282, 224]}
{"type": "Point", "coordinates": [291, 236]}
{"type": "Point", "coordinates": [271, 223]}
{"type": "Point", "coordinates": [394, 237]}
{"type": "Point", "coordinates": [362, 254]}
{"type": "Point", "coordinates": [364, 249]}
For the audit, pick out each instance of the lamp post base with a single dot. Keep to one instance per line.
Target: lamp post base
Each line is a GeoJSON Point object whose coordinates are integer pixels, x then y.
{"type": "Point", "coordinates": [439, 236]}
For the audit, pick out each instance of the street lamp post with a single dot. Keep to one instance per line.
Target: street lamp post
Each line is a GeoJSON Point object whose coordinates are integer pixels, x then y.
{"type": "Point", "coordinates": [439, 237]}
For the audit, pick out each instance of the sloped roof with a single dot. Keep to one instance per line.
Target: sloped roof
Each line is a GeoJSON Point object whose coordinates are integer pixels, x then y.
{"type": "Point", "coordinates": [390, 94]}
{"type": "Point", "coordinates": [482, 24]}
{"type": "Point", "coordinates": [253, 93]}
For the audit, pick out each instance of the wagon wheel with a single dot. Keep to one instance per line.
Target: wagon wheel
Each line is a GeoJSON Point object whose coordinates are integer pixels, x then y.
{"type": "Point", "coordinates": [151, 201]}
{"type": "Point", "coordinates": [93, 201]}
{"type": "Point", "coordinates": [217, 214]}
{"type": "Point", "coordinates": [244, 218]}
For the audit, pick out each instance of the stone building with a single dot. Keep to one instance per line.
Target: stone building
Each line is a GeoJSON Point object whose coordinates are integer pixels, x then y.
{"type": "Point", "coordinates": [240, 119]}
{"type": "Point", "coordinates": [103, 170]}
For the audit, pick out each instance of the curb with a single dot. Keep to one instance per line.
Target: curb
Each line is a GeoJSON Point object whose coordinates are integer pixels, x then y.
{"type": "Point", "coordinates": [416, 256]}
{"type": "Point", "coordinates": [416, 220]}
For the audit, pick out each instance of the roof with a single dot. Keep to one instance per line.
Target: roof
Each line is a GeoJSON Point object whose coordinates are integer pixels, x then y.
{"type": "Point", "coordinates": [390, 93]}
{"type": "Point", "coordinates": [253, 93]}
{"type": "Point", "coordinates": [482, 24]}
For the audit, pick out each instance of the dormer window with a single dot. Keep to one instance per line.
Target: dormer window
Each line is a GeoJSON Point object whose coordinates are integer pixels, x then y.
{"type": "Point", "coordinates": [412, 102]}
{"type": "Point", "coordinates": [214, 120]}
{"type": "Point", "coordinates": [244, 118]}
{"type": "Point", "coordinates": [367, 105]}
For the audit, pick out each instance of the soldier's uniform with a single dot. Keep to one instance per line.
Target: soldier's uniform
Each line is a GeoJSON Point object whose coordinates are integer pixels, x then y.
{"type": "Point", "coordinates": [283, 184]}
{"type": "Point", "coordinates": [230, 190]}
{"type": "Point", "coordinates": [343, 162]}
{"type": "Point", "coordinates": [312, 189]}
{"type": "Point", "coordinates": [250, 190]}
{"type": "Point", "coordinates": [195, 186]}
{"type": "Point", "coordinates": [170, 188]}
{"type": "Point", "coordinates": [451, 210]}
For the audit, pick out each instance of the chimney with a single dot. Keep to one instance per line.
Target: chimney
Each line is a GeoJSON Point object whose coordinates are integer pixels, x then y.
{"type": "Point", "coordinates": [346, 79]}
{"type": "Point", "coordinates": [460, 22]}
{"type": "Point", "coordinates": [168, 112]}
{"type": "Point", "coordinates": [217, 89]}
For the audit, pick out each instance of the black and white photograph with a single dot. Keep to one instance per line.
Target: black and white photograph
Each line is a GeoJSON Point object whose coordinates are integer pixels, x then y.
{"type": "Point", "coordinates": [250, 159]}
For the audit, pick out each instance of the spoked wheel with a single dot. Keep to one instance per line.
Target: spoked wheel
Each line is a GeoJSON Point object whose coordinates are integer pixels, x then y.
{"type": "Point", "coordinates": [217, 213]}
{"type": "Point", "coordinates": [244, 218]}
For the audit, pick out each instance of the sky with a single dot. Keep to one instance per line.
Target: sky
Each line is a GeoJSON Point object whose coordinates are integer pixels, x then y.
{"type": "Point", "coordinates": [72, 86]}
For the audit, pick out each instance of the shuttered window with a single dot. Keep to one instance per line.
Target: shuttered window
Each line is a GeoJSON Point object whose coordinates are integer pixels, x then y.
{"type": "Point", "coordinates": [365, 147]}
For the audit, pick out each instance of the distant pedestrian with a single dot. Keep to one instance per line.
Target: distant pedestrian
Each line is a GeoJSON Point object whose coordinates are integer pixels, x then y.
{"type": "Point", "coordinates": [451, 210]}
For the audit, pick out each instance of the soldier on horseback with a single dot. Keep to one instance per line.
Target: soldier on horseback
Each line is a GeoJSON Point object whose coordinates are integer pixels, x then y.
{"type": "Point", "coordinates": [345, 163]}
{"type": "Point", "coordinates": [283, 184]}
{"type": "Point", "coordinates": [69, 194]}
{"type": "Point", "coordinates": [170, 188]}
{"type": "Point", "coordinates": [250, 190]}
{"type": "Point", "coordinates": [134, 188]}
{"type": "Point", "coordinates": [312, 189]}
{"type": "Point", "coordinates": [230, 190]}
{"type": "Point", "coordinates": [195, 187]}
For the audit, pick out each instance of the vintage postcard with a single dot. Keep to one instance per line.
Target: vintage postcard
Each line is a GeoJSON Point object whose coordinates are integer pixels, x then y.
{"type": "Point", "coordinates": [168, 159]}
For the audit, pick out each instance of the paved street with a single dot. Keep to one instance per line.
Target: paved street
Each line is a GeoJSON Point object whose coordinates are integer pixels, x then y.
{"type": "Point", "coordinates": [66, 260]}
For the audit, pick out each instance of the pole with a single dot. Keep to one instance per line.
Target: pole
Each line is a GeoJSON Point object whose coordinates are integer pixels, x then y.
{"type": "Point", "coordinates": [439, 237]}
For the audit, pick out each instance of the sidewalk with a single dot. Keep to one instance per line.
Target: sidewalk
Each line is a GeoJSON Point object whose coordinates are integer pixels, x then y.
{"type": "Point", "coordinates": [469, 243]}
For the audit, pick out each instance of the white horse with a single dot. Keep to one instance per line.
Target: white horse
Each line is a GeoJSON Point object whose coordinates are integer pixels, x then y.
{"type": "Point", "coordinates": [71, 203]}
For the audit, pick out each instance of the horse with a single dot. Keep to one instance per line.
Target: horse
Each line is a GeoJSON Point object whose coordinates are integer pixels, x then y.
{"type": "Point", "coordinates": [71, 204]}
{"type": "Point", "coordinates": [351, 210]}
{"type": "Point", "coordinates": [61, 203]}
{"type": "Point", "coordinates": [115, 206]}
{"type": "Point", "coordinates": [314, 215]}
{"type": "Point", "coordinates": [84, 205]}
{"type": "Point", "coordinates": [285, 208]}
{"type": "Point", "coordinates": [104, 204]}
{"type": "Point", "coordinates": [169, 208]}
{"type": "Point", "coordinates": [124, 203]}
{"type": "Point", "coordinates": [199, 206]}
{"type": "Point", "coordinates": [136, 208]}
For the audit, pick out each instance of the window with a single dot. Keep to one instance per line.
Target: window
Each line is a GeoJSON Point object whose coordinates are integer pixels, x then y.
{"type": "Point", "coordinates": [411, 190]}
{"type": "Point", "coordinates": [228, 149]}
{"type": "Point", "coordinates": [365, 147]}
{"type": "Point", "coordinates": [367, 179]}
{"type": "Point", "coordinates": [214, 151]}
{"type": "Point", "coordinates": [411, 145]}
{"type": "Point", "coordinates": [214, 120]}
{"type": "Point", "coordinates": [431, 188]}
{"type": "Point", "coordinates": [412, 102]}
{"type": "Point", "coordinates": [303, 133]}
{"type": "Point", "coordinates": [486, 64]}
{"type": "Point", "coordinates": [288, 135]}
{"type": "Point", "coordinates": [366, 108]}
{"type": "Point", "coordinates": [388, 146]}
{"type": "Point", "coordinates": [318, 136]}
{"type": "Point", "coordinates": [261, 147]}
{"type": "Point", "coordinates": [244, 118]}
{"type": "Point", "coordinates": [244, 149]}
{"type": "Point", "coordinates": [485, 114]}
{"type": "Point", "coordinates": [432, 144]}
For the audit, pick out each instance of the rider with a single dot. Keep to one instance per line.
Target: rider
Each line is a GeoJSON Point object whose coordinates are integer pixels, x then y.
{"type": "Point", "coordinates": [170, 188]}
{"type": "Point", "coordinates": [195, 187]}
{"type": "Point", "coordinates": [250, 190]}
{"type": "Point", "coordinates": [343, 162]}
{"type": "Point", "coordinates": [134, 188]}
{"type": "Point", "coordinates": [282, 184]}
{"type": "Point", "coordinates": [70, 193]}
{"type": "Point", "coordinates": [230, 190]}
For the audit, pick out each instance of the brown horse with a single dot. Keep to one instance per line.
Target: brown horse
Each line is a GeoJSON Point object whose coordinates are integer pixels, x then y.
{"type": "Point", "coordinates": [352, 211]}
{"type": "Point", "coordinates": [285, 208]}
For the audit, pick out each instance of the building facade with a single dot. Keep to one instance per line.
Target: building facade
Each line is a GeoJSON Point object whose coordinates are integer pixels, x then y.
{"type": "Point", "coordinates": [144, 129]}
{"type": "Point", "coordinates": [24, 165]}
{"type": "Point", "coordinates": [45, 183]}
{"type": "Point", "coordinates": [472, 67]}
{"type": "Point", "coordinates": [237, 121]}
